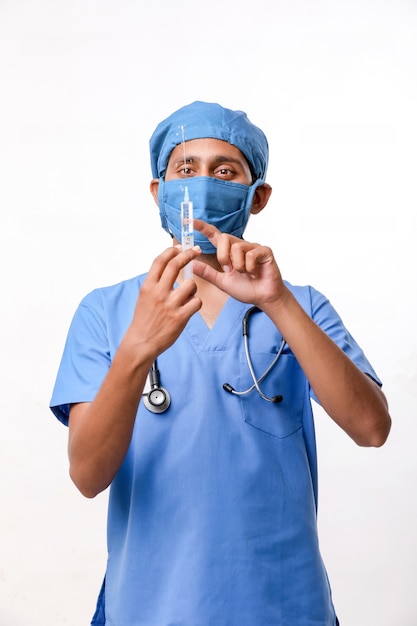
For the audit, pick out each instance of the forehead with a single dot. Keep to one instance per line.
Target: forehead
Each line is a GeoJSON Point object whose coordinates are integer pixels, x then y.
{"type": "Point", "coordinates": [207, 148]}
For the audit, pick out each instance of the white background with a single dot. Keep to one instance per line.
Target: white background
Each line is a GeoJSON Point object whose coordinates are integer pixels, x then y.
{"type": "Point", "coordinates": [82, 86]}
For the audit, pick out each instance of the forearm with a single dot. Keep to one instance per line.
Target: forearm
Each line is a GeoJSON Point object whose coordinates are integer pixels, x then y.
{"type": "Point", "coordinates": [350, 397]}
{"type": "Point", "coordinates": [101, 431]}
{"type": "Point", "coordinates": [251, 275]}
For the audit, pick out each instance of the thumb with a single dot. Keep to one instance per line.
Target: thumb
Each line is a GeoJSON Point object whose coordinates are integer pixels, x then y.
{"type": "Point", "coordinates": [202, 270]}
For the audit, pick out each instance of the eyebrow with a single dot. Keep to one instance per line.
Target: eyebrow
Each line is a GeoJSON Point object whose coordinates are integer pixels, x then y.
{"type": "Point", "coordinates": [217, 160]}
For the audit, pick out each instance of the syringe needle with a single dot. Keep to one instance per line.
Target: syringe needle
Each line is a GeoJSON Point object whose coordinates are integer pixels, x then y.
{"type": "Point", "coordinates": [187, 230]}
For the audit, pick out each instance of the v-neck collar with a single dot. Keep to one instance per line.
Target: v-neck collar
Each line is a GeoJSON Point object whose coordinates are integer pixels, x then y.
{"type": "Point", "coordinates": [218, 336]}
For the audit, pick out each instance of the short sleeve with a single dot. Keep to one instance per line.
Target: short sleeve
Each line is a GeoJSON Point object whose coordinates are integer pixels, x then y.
{"type": "Point", "coordinates": [325, 316]}
{"type": "Point", "coordinates": [85, 360]}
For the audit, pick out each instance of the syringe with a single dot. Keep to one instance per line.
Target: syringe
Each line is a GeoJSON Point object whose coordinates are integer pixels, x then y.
{"type": "Point", "coordinates": [187, 230]}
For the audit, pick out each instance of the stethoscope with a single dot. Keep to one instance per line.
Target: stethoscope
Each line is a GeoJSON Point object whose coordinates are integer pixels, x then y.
{"type": "Point", "coordinates": [157, 399]}
{"type": "Point", "coordinates": [256, 381]}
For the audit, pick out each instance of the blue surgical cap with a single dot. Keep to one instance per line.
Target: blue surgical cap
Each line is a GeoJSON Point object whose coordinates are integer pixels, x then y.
{"type": "Point", "coordinates": [203, 119]}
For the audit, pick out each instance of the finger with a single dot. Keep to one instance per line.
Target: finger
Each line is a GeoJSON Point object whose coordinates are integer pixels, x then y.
{"type": "Point", "coordinates": [191, 306]}
{"type": "Point", "coordinates": [184, 313]}
{"type": "Point", "coordinates": [166, 267]}
{"type": "Point", "coordinates": [160, 262]}
{"type": "Point", "coordinates": [184, 292]}
{"type": "Point", "coordinates": [253, 261]}
{"type": "Point", "coordinates": [232, 252]}
{"type": "Point", "coordinates": [238, 258]}
{"type": "Point", "coordinates": [184, 301]}
{"type": "Point", "coordinates": [176, 264]}
{"type": "Point", "coordinates": [205, 271]}
{"type": "Point", "coordinates": [224, 244]}
{"type": "Point", "coordinates": [260, 255]}
{"type": "Point", "coordinates": [208, 230]}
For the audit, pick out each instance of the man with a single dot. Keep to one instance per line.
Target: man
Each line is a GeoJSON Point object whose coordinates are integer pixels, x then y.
{"type": "Point", "coordinates": [212, 509]}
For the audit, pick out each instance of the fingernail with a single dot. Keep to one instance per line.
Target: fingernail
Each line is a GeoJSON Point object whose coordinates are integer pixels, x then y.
{"type": "Point", "coordinates": [226, 268]}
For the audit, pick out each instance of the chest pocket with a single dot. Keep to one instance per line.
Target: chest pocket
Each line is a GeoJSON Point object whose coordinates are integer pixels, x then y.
{"type": "Point", "coordinates": [280, 419]}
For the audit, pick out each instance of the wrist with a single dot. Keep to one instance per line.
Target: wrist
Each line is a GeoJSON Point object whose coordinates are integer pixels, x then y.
{"type": "Point", "coordinates": [135, 354]}
{"type": "Point", "coordinates": [278, 306]}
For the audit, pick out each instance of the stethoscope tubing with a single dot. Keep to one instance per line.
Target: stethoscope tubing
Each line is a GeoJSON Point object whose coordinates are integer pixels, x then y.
{"type": "Point", "coordinates": [256, 381]}
{"type": "Point", "coordinates": [158, 399]}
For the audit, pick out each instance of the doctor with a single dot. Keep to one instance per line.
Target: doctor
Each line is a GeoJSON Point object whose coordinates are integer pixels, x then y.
{"type": "Point", "coordinates": [212, 507]}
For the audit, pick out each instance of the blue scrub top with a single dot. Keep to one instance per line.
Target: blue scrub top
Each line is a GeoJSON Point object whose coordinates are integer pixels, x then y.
{"type": "Point", "coordinates": [212, 515]}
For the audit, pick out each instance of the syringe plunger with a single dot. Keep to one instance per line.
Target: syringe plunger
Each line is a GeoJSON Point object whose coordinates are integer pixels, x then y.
{"type": "Point", "coordinates": [187, 230]}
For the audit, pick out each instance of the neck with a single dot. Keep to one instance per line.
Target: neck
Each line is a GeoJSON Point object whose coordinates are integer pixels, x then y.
{"type": "Point", "coordinates": [211, 296]}
{"type": "Point", "coordinates": [209, 259]}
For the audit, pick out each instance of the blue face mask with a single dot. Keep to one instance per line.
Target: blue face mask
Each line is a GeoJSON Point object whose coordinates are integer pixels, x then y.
{"type": "Point", "coordinates": [221, 203]}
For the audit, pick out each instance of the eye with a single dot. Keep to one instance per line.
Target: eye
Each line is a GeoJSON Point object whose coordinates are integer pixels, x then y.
{"type": "Point", "coordinates": [186, 168]}
{"type": "Point", "coordinates": [224, 172]}
{"type": "Point", "coordinates": [185, 171]}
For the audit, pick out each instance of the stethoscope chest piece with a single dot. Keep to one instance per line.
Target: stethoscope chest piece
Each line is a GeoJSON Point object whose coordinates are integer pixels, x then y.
{"type": "Point", "coordinates": [157, 400]}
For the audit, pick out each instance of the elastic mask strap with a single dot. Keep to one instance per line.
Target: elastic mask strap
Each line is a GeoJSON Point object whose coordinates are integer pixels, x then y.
{"type": "Point", "coordinates": [249, 198]}
{"type": "Point", "coordinates": [161, 203]}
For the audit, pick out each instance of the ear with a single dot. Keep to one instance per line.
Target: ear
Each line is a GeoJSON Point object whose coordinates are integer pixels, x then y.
{"type": "Point", "coordinates": [260, 198]}
{"type": "Point", "coordinates": [154, 186]}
